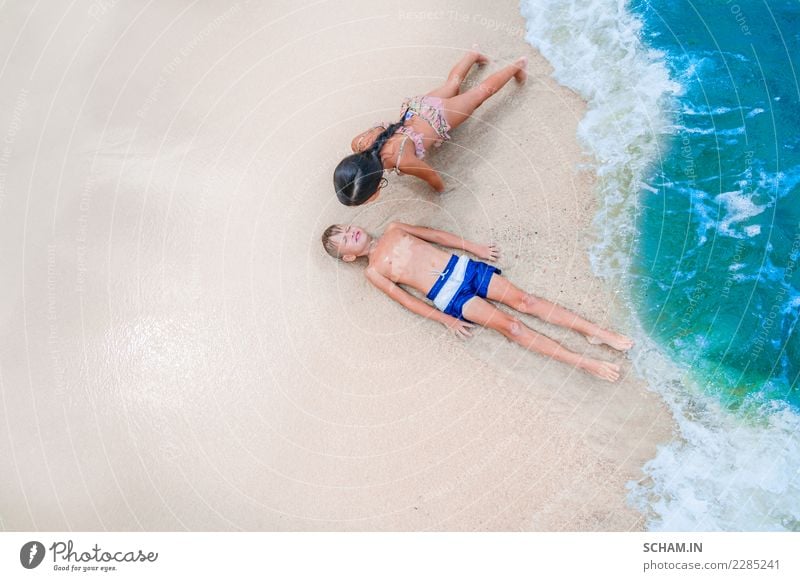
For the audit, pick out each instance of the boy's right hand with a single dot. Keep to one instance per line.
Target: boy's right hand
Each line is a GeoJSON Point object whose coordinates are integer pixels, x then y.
{"type": "Point", "coordinates": [489, 252]}
{"type": "Point", "coordinates": [459, 328]}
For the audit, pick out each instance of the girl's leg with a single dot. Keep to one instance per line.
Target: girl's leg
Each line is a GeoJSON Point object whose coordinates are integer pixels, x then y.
{"type": "Point", "coordinates": [501, 290]}
{"type": "Point", "coordinates": [486, 314]}
{"type": "Point", "coordinates": [452, 85]}
{"type": "Point", "coordinates": [459, 108]}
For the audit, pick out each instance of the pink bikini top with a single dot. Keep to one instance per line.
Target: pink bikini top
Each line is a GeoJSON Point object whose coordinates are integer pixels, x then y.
{"type": "Point", "coordinates": [429, 109]}
{"type": "Point", "coordinates": [415, 136]}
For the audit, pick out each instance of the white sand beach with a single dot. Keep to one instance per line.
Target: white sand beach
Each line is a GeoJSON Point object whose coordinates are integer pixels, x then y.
{"type": "Point", "coordinates": [179, 353]}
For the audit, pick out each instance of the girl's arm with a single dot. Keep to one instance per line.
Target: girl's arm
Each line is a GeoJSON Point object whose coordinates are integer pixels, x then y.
{"type": "Point", "coordinates": [458, 327]}
{"type": "Point", "coordinates": [442, 238]}
{"type": "Point", "coordinates": [414, 166]}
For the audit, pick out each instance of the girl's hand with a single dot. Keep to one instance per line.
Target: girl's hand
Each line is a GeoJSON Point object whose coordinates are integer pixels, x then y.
{"type": "Point", "coordinates": [489, 252]}
{"type": "Point", "coordinates": [459, 328]}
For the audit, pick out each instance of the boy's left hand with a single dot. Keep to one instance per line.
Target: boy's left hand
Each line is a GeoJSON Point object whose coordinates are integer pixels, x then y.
{"type": "Point", "coordinates": [489, 252]}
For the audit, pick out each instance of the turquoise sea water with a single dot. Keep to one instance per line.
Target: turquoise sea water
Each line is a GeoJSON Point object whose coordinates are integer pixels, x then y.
{"type": "Point", "coordinates": [716, 266]}
{"type": "Point", "coordinates": [694, 124]}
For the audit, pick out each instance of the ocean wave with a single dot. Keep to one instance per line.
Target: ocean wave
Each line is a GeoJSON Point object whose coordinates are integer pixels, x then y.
{"type": "Point", "coordinates": [728, 469]}
{"type": "Point", "coordinates": [595, 49]}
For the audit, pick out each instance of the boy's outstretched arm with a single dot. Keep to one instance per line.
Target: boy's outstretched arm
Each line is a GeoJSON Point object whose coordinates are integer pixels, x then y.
{"type": "Point", "coordinates": [442, 238]}
{"type": "Point", "coordinates": [457, 326]}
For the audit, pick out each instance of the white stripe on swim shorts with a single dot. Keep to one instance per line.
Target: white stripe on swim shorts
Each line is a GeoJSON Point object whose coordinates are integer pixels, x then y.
{"type": "Point", "coordinates": [452, 284]}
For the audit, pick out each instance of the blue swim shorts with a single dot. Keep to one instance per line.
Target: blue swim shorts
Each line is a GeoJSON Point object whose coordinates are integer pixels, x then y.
{"type": "Point", "coordinates": [461, 280]}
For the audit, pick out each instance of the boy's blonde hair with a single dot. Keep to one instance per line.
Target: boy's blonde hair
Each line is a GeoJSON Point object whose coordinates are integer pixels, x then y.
{"type": "Point", "coordinates": [327, 243]}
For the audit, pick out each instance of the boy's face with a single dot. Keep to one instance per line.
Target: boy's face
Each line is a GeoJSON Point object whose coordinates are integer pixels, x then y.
{"type": "Point", "coordinates": [351, 242]}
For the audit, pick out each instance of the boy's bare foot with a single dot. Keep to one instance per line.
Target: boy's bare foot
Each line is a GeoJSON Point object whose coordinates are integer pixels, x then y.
{"type": "Point", "coordinates": [602, 369]}
{"type": "Point", "coordinates": [480, 58]}
{"type": "Point", "coordinates": [522, 73]}
{"type": "Point", "coordinates": [614, 340]}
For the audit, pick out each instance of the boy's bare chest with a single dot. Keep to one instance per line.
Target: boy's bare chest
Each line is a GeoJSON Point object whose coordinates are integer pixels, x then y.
{"type": "Point", "coordinates": [394, 265]}
{"type": "Point", "coordinates": [410, 263]}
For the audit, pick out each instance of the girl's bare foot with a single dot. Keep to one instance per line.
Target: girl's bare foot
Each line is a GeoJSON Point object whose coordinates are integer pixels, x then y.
{"type": "Point", "coordinates": [602, 369]}
{"type": "Point", "coordinates": [480, 58]}
{"type": "Point", "coordinates": [614, 340]}
{"type": "Point", "coordinates": [522, 73]}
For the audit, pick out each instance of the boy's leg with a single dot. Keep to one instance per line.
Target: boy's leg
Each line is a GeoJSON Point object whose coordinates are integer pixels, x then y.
{"type": "Point", "coordinates": [486, 314]}
{"type": "Point", "coordinates": [452, 85]}
{"type": "Point", "coordinates": [502, 290]}
{"type": "Point", "coordinates": [459, 108]}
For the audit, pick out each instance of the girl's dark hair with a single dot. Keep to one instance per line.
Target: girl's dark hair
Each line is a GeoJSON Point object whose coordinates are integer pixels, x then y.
{"type": "Point", "coordinates": [357, 176]}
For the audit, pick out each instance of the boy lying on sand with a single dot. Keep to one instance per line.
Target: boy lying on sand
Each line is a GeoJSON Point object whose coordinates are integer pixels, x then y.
{"type": "Point", "coordinates": [458, 286]}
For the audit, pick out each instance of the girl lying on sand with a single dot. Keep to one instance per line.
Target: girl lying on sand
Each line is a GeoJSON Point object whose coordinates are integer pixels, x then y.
{"type": "Point", "coordinates": [458, 286]}
{"type": "Point", "coordinates": [425, 120]}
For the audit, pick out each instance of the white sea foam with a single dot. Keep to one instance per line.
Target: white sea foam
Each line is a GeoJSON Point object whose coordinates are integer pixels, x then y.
{"type": "Point", "coordinates": [738, 207]}
{"type": "Point", "coordinates": [753, 230]}
{"type": "Point", "coordinates": [780, 182]}
{"type": "Point", "coordinates": [726, 470]}
{"type": "Point", "coordinates": [595, 50]}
